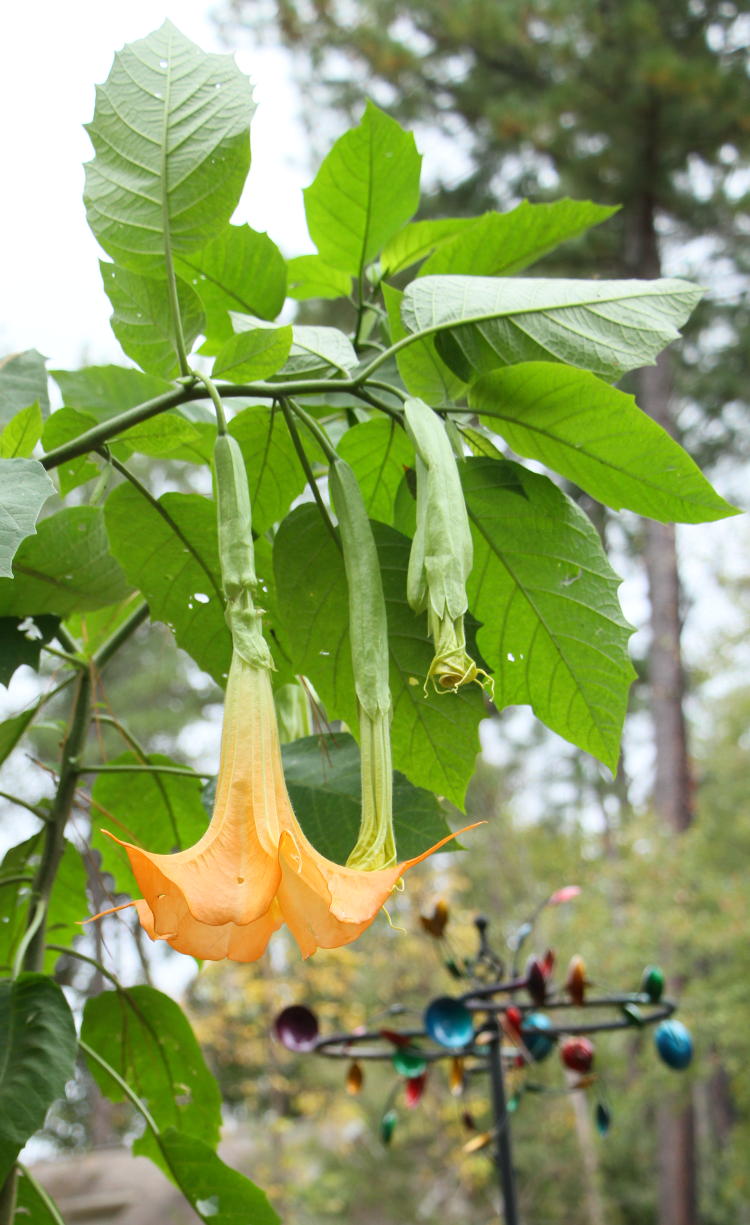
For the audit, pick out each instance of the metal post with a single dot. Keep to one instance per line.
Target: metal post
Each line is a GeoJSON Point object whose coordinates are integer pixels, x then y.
{"type": "Point", "coordinates": [503, 1151]}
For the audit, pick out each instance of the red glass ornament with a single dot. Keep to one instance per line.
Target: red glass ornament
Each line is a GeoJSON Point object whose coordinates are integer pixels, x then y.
{"type": "Point", "coordinates": [577, 1054]}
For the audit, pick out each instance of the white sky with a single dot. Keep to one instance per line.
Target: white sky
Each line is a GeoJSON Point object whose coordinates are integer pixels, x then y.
{"type": "Point", "coordinates": [52, 54]}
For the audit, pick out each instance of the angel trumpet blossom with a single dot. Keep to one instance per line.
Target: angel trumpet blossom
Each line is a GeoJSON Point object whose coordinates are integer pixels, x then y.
{"type": "Point", "coordinates": [254, 869]}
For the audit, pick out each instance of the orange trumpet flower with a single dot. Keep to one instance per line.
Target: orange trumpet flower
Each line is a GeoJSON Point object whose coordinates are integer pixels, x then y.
{"type": "Point", "coordinates": [254, 869]}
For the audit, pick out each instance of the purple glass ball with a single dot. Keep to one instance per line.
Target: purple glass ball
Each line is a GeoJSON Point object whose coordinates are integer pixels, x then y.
{"type": "Point", "coordinates": [296, 1028]}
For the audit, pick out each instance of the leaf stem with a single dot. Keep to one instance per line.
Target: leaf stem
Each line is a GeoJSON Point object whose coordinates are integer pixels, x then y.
{"type": "Point", "coordinates": [92, 961]}
{"type": "Point", "coordinates": [139, 1104]}
{"type": "Point", "coordinates": [39, 812]}
{"type": "Point", "coordinates": [120, 635]}
{"type": "Point", "coordinates": [92, 768]}
{"type": "Point", "coordinates": [297, 441]}
{"type": "Point", "coordinates": [16, 880]}
{"type": "Point", "coordinates": [210, 386]}
{"type": "Point", "coordinates": [47, 1200]}
{"type": "Point", "coordinates": [37, 920]}
{"type": "Point", "coordinates": [138, 749]}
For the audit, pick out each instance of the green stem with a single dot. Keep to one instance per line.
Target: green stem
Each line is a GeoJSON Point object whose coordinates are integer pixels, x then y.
{"type": "Point", "coordinates": [327, 447]}
{"type": "Point", "coordinates": [16, 880]}
{"type": "Point", "coordinates": [140, 1105]}
{"type": "Point", "coordinates": [165, 515]}
{"type": "Point", "coordinates": [92, 961]}
{"type": "Point", "coordinates": [85, 768]}
{"type": "Point", "coordinates": [210, 386]}
{"type": "Point", "coordinates": [67, 641]}
{"type": "Point", "coordinates": [294, 434]}
{"type": "Point", "coordinates": [73, 660]}
{"type": "Point", "coordinates": [54, 832]}
{"type": "Point", "coordinates": [28, 936]}
{"type": "Point", "coordinates": [48, 1202]}
{"type": "Point", "coordinates": [105, 652]}
{"type": "Point", "coordinates": [95, 438]}
{"type": "Point", "coordinates": [41, 813]}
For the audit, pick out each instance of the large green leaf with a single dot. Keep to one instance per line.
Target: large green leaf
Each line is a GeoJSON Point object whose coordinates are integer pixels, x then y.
{"type": "Point", "coordinates": [323, 777]}
{"type": "Point", "coordinates": [146, 1037]}
{"type": "Point", "coordinates": [105, 391]}
{"type": "Point", "coordinates": [308, 276]}
{"type": "Point", "coordinates": [24, 488]}
{"type": "Point", "coordinates": [609, 327]}
{"type": "Point", "coordinates": [68, 904]}
{"type": "Point", "coordinates": [500, 244]}
{"type": "Point", "coordinates": [541, 585]}
{"type": "Point", "coordinates": [171, 142]}
{"type": "Point", "coordinates": [275, 477]}
{"type": "Point", "coordinates": [422, 369]}
{"type": "Point", "coordinates": [23, 381]}
{"type": "Point", "coordinates": [241, 270]}
{"type": "Point", "coordinates": [62, 427]}
{"type": "Point", "coordinates": [254, 354]}
{"type": "Point", "coordinates": [218, 1194]}
{"type": "Point", "coordinates": [365, 190]}
{"type": "Point", "coordinates": [162, 812]}
{"type": "Point", "coordinates": [37, 1058]}
{"type": "Point", "coordinates": [173, 559]}
{"type": "Point", "coordinates": [320, 352]}
{"type": "Point", "coordinates": [170, 435]}
{"type": "Point", "coordinates": [597, 436]}
{"type": "Point", "coordinates": [22, 433]}
{"type": "Point", "coordinates": [378, 452]}
{"type": "Point", "coordinates": [142, 318]}
{"type": "Point", "coordinates": [21, 643]}
{"type": "Point", "coordinates": [66, 567]}
{"type": "Point", "coordinates": [434, 736]}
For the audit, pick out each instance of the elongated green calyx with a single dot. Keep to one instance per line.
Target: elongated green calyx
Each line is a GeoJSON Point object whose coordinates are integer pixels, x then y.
{"type": "Point", "coordinates": [236, 553]}
{"type": "Point", "coordinates": [368, 631]}
{"type": "Point", "coordinates": [442, 553]}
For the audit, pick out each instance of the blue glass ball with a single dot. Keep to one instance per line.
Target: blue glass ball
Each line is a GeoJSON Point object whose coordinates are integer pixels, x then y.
{"type": "Point", "coordinates": [674, 1044]}
{"type": "Point", "coordinates": [449, 1023]}
{"type": "Point", "coordinates": [538, 1044]}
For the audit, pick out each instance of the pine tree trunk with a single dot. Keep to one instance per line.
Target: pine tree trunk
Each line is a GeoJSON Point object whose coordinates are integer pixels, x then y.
{"type": "Point", "coordinates": [672, 797]}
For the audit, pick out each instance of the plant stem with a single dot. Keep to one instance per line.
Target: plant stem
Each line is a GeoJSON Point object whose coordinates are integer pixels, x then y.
{"type": "Point", "coordinates": [60, 948]}
{"type": "Point", "coordinates": [16, 880]}
{"type": "Point", "coordinates": [85, 768]}
{"type": "Point", "coordinates": [48, 1202]}
{"type": "Point", "coordinates": [54, 843]}
{"type": "Point", "coordinates": [210, 386]}
{"type": "Point", "coordinates": [139, 751]}
{"type": "Point", "coordinates": [293, 432]}
{"type": "Point", "coordinates": [41, 813]}
{"type": "Point", "coordinates": [140, 1105]}
{"type": "Point", "coordinates": [120, 635]}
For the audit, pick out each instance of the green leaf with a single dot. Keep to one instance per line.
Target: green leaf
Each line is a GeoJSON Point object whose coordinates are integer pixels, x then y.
{"type": "Point", "coordinates": [162, 812]}
{"type": "Point", "coordinates": [66, 567]}
{"type": "Point", "coordinates": [501, 244]}
{"type": "Point", "coordinates": [434, 737]}
{"type": "Point", "coordinates": [308, 276]}
{"type": "Point", "coordinates": [37, 1057]}
{"type": "Point", "coordinates": [174, 562]}
{"type": "Point", "coordinates": [21, 643]}
{"type": "Point", "coordinates": [319, 352]}
{"type": "Point", "coordinates": [62, 427]}
{"type": "Point", "coordinates": [68, 904]}
{"type": "Point", "coordinates": [418, 240]}
{"type": "Point", "coordinates": [609, 327]}
{"type": "Point", "coordinates": [23, 381]}
{"type": "Point", "coordinates": [378, 451]}
{"type": "Point", "coordinates": [146, 1037]}
{"type": "Point", "coordinates": [105, 391]}
{"type": "Point", "coordinates": [170, 435]}
{"type": "Point", "coordinates": [218, 1194]}
{"type": "Point", "coordinates": [365, 190]}
{"type": "Point", "coordinates": [142, 318]}
{"type": "Point", "coordinates": [22, 433]}
{"type": "Point", "coordinates": [422, 369]}
{"type": "Point", "coordinates": [11, 730]}
{"type": "Point", "coordinates": [275, 477]}
{"type": "Point", "coordinates": [24, 488]}
{"type": "Point", "coordinates": [541, 585]}
{"type": "Point", "coordinates": [323, 778]}
{"type": "Point", "coordinates": [597, 436]}
{"type": "Point", "coordinates": [241, 270]}
{"type": "Point", "coordinates": [254, 354]}
{"type": "Point", "coordinates": [172, 151]}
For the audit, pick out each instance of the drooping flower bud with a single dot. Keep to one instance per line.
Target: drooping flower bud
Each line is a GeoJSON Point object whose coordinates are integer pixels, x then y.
{"type": "Point", "coordinates": [442, 552]}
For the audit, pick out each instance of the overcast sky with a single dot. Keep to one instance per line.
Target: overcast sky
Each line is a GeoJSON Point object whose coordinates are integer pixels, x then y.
{"type": "Point", "coordinates": [52, 54]}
